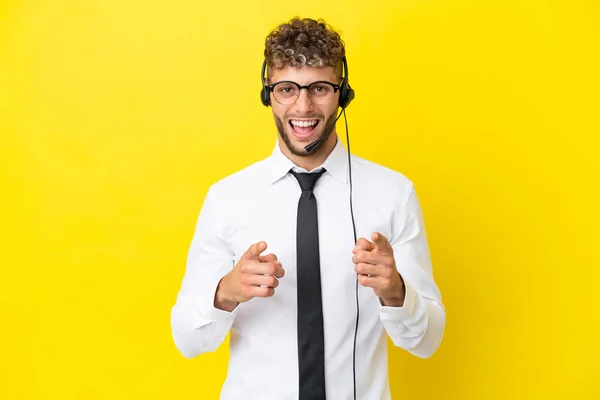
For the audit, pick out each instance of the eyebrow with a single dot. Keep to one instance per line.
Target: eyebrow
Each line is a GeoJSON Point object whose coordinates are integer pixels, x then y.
{"type": "Point", "coordinates": [308, 84]}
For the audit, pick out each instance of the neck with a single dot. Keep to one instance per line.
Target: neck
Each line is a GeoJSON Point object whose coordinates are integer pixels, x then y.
{"type": "Point", "coordinates": [314, 160]}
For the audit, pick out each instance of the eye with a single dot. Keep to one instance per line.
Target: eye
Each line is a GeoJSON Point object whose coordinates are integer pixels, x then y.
{"type": "Point", "coordinates": [286, 89]}
{"type": "Point", "coordinates": [320, 89]}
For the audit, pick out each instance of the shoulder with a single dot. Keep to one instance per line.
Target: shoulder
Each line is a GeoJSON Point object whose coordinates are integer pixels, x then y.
{"type": "Point", "coordinates": [386, 179]}
{"type": "Point", "coordinates": [241, 180]}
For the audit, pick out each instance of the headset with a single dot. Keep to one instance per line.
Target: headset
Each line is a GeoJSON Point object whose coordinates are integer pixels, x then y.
{"type": "Point", "coordinates": [346, 96]}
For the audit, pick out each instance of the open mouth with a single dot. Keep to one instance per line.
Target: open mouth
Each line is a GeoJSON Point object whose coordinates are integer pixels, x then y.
{"type": "Point", "coordinates": [303, 128]}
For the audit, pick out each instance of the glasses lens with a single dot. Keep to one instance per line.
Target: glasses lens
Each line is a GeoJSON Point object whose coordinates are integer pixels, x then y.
{"type": "Point", "coordinates": [285, 93]}
{"type": "Point", "coordinates": [321, 93]}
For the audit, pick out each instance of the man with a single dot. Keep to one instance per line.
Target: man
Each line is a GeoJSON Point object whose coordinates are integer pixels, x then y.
{"type": "Point", "coordinates": [274, 260]}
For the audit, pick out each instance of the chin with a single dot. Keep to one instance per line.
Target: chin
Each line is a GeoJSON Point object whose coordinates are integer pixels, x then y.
{"type": "Point", "coordinates": [297, 147]}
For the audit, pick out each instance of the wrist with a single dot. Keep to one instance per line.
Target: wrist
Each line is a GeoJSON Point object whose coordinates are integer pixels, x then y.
{"type": "Point", "coordinates": [392, 302]}
{"type": "Point", "coordinates": [397, 300]}
{"type": "Point", "coordinates": [222, 299]}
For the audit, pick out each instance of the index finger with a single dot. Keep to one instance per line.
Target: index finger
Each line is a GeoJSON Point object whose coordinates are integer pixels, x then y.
{"type": "Point", "coordinates": [254, 251]}
{"type": "Point", "coordinates": [380, 241]}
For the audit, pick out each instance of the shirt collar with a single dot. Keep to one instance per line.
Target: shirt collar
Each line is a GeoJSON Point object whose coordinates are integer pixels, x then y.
{"type": "Point", "coordinates": [335, 164]}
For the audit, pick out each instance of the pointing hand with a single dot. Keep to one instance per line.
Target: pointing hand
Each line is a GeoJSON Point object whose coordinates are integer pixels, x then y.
{"type": "Point", "coordinates": [253, 276]}
{"type": "Point", "coordinates": [376, 268]}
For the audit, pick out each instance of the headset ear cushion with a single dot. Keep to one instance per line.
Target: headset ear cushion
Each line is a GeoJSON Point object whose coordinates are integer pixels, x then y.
{"type": "Point", "coordinates": [265, 96]}
{"type": "Point", "coordinates": [350, 96]}
{"type": "Point", "coordinates": [343, 94]}
{"type": "Point", "coordinates": [346, 94]}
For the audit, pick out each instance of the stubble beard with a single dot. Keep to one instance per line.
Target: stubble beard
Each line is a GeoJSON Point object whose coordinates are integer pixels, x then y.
{"type": "Point", "coordinates": [301, 152]}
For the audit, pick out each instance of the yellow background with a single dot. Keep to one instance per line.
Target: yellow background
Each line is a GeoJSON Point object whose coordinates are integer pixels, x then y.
{"type": "Point", "coordinates": [116, 116]}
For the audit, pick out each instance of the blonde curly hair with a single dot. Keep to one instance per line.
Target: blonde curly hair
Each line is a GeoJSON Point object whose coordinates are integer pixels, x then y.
{"type": "Point", "coordinates": [302, 42]}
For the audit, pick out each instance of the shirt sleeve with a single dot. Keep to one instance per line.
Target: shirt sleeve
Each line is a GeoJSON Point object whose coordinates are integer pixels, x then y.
{"type": "Point", "coordinates": [419, 324]}
{"type": "Point", "coordinates": [197, 326]}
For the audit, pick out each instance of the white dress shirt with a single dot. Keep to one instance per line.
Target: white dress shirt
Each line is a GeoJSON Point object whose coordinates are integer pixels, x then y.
{"type": "Point", "coordinates": [260, 203]}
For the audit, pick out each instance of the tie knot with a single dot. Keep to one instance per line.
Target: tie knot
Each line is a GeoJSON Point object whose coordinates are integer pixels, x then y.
{"type": "Point", "coordinates": [306, 180]}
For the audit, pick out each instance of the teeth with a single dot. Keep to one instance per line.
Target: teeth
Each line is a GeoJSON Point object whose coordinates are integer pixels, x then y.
{"type": "Point", "coordinates": [304, 123]}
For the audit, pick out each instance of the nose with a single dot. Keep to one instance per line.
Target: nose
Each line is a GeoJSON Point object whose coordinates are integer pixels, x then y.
{"type": "Point", "coordinates": [303, 103]}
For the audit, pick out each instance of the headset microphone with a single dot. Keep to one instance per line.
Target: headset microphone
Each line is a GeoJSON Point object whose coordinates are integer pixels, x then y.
{"type": "Point", "coordinates": [309, 147]}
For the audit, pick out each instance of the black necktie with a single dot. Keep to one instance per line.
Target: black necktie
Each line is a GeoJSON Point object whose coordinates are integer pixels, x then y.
{"type": "Point", "coordinates": [311, 344]}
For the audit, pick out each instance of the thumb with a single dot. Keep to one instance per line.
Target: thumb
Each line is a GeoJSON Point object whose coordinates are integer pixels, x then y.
{"type": "Point", "coordinates": [254, 251]}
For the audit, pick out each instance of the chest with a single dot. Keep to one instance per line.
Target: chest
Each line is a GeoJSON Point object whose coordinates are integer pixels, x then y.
{"type": "Point", "coordinates": [271, 216]}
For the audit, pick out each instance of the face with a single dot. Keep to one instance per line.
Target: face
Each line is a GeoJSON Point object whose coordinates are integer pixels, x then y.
{"type": "Point", "coordinates": [303, 122]}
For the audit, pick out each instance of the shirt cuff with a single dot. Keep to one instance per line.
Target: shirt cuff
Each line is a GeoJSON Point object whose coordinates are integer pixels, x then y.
{"type": "Point", "coordinates": [215, 314]}
{"type": "Point", "coordinates": [207, 305]}
{"type": "Point", "coordinates": [404, 313]}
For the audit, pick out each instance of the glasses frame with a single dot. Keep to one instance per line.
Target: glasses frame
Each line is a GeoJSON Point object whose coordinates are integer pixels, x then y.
{"type": "Point", "coordinates": [271, 88]}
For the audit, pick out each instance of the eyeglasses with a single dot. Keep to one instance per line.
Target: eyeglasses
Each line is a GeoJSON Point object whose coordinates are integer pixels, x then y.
{"type": "Point", "coordinates": [287, 92]}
